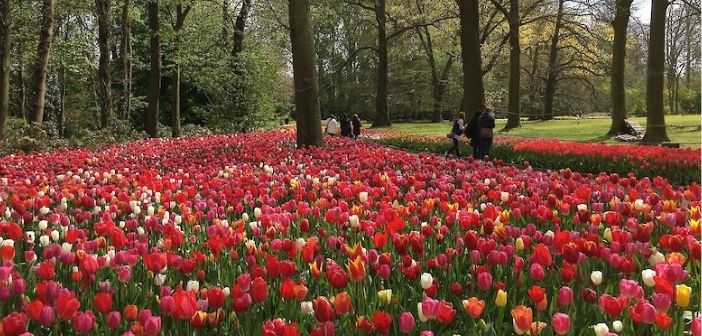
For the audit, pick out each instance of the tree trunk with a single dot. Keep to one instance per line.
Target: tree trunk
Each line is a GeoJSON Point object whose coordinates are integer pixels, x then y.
{"type": "Point", "coordinates": [61, 120]}
{"type": "Point", "coordinates": [225, 20]}
{"type": "Point", "coordinates": [534, 90]}
{"type": "Point", "coordinates": [104, 19]}
{"type": "Point", "coordinates": [473, 91]}
{"type": "Point", "coordinates": [621, 21]}
{"type": "Point", "coordinates": [515, 67]}
{"type": "Point", "coordinates": [436, 93]}
{"type": "Point", "coordinates": [5, 50]}
{"type": "Point", "coordinates": [42, 62]}
{"type": "Point", "coordinates": [151, 123]}
{"type": "Point", "coordinates": [552, 79]}
{"type": "Point", "coordinates": [23, 92]}
{"type": "Point", "coordinates": [382, 117]}
{"type": "Point", "coordinates": [181, 14]}
{"type": "Point", "coordinates": [309, 123]}
{"type": "Point", "coordinates": [239, 28]}
{"type": "Point", "coordinates": [126, 54]}
{"type": "Point", "coordinates": [655, 119]}
{"type": "Point", "coordinates": [443, 83]}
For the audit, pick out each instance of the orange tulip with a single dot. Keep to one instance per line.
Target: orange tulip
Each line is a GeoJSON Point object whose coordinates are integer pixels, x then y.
{"type": "Point", "coordinates": [676, 258]}
{"type": "Point", "coordinates": [130, 312]}
{"type": "Point", "coordinates": [342, 303]}
{"type": "Point", "coordinates": [357, 270]}
{"type": "Point", "coordinates": [315, 271]}
{"type": "Point", "coordinates": [522, 318]}
{"type": "Point", "coordinates": [474, 307]}
{"type": "Point", "coordinates": [354, 251]}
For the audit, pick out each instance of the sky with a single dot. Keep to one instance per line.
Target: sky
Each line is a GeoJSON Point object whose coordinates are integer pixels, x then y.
{"type": "Point", "coordinates": [642, 10]}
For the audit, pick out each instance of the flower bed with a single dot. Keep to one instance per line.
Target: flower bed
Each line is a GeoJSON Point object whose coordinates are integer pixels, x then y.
{"type": "Point", "coordinates": [679, 165]}
{"type": "Point", "coordinates": [246, 235]}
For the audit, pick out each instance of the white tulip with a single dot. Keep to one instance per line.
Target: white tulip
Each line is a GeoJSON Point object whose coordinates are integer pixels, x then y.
{"type": "Point", "coordinates": [426, 280]}
{"type": "Point", "coordinates": [656, 258]}
{"type": "Point", "coordinates": [596, 277]}
{"type": "Point", "coordinates": [257, 213]}
{"type": "Point", "coordinates": [159, 279]}
{"type": "Point", "coordinates": [353, 221]}
{"type": "Point", "coordinates": [306, 307]}
{"type": "Point", "coordinates": [617, 326]}
{"type": "Point", "coordinates": [422, 317]}
{"type": "Point", "coordinates": [43, 224]}
{"type": "Point", "coordinates": [54, 235]}
{"type": "Point", "coordinates": [363, 196]}
{"type": "Point", "coordinates": [192, 285]}
{"type": "Point", "coordinates": [647, 276]}
{"type": "Point", "coordinates": [601, 329]}
{"type": "Point", "coordinates": [44, 240]}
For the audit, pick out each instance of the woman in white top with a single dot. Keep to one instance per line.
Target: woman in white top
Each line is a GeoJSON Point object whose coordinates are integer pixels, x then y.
{"type": "Point", "coordinates": [456, 132]}
{"type": "Point", "coordinates": [332, 126]}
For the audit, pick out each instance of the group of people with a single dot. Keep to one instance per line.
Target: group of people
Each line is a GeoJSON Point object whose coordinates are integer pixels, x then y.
{"type": "Point", "coordinates": [346, 127]}
{"type": "Point", "coordinates": [479, 130]}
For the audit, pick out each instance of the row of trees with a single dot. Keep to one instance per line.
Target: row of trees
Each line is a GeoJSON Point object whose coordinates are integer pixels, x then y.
{"type": "Point", "coordinates": [225, 64]}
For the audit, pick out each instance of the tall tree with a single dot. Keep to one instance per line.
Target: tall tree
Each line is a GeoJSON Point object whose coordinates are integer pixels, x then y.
{"type": "Point", "coordinates": [620, 24]}
{"type": "Point", "coordinates": [473, 90]}
{"type": "Point", "coordinates": [382, 117]}
{"type": "Point", "coordinates": [514, 20]}
{"type": "Point", "coordinates": [655, 119]}
{"type": "Point", "coordinates": [125, 51]}
{"type": "Point", "coordinates": [308, 118]}
{"type": "Point", "coordinates": [5, 44]}
{"type": "Point", "coordinates": [151, 124]}
{"type": "Point", "coordinates": [42, 62]}
{"type": "Point", "coordinates": [439, 79]}
{"type": "Point", "coordinates": [181, 14]}
{"type": "Point", "coordinates": [104, 19]}
{"type": "Point", "coordinates": [552, 80]}
{"type": "Point", "coordinates": [239, 30]}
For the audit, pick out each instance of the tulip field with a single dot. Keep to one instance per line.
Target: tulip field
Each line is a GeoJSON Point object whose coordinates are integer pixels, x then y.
{"type": "Point", "coordinates": [245, 234]}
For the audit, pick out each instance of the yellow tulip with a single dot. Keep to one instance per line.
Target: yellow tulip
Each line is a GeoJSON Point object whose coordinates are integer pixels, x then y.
{"type": "Point", "coordinates": [501, 299]}
{"type": "Point", "coordinates": [682, 295]}
{"type": "Point", "coordinates": [519, 244]}
{"type": "Point", "coordinates": [385, 296]}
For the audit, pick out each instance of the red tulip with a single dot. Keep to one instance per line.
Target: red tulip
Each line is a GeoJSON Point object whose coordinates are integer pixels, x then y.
{"type": "Point", "coordinates": [215, 297]}
{"type": "Point", "coordinates": [342, 303]}
{"type": "Point", "coordinates": [102, 302]}
{"type": "Point", "coordinates": [322, 309]}
{"type": "Point", "coordinates": [184, 305]}
{"type": "Point", "coordinates": [446, 312]}
{"type": "Point", "coordinates": [259, 290]}
{"type": "Point", "coordinates": [14, 324]}
{"type": "Point", "coordinates": [382, 322]}
{"type": "Point", "coordinates": [66, 305]}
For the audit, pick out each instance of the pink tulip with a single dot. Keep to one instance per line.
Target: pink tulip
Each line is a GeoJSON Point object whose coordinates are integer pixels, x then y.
{"type": "Point", "coordinates": [152, 325]}
{"type": "Point", "coordinates": [406, 322]}
{"type": "Point", "coordinates": [565, 296]}
{"type": "Point", "coordinates": [536, 272]}
{"type": "Point", "coordinates": [124, 274]}
{"type": "Point", "coordinates": [484, 281]}
{"type": "Point", "coordinates": [167, 305]}
{"type": "Point", "coordinates": [47, 316]}
{"type": "Point", "coordinates": [696, 326]}
{"type": "Point", "coordinates": [662, 302]}
{"type": "Point", "coordinates": [630, 289]}
{"type": "Point", "coordinates": [426, 333]}
{"type": "Point", "coordinates": [114, 318]}
{"type": "Point", "coordinates": [430, 307]}
{"type": "Point", "coordinates": [561, 323]}
{"type": "Point", "coordinates": [83, 322]}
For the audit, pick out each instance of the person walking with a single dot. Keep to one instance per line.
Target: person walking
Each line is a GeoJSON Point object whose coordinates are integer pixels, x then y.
{"type": "Point", "coordinates": [332, 126]}
{"type": "Point", "coordinates": [487, 126]}
{"type": "Point", "coordinates": [356, 125]}
{"type": "Point", "coordinates": [455, 134]}
{"type": "Point", "coordinates": [345, 126]}
{"type": "Point", "coordinates": [473, 133]}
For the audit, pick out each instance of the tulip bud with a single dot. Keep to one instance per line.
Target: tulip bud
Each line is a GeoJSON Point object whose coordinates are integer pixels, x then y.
{"type": "Point", "coordinates": [426, 280]}
{"type": "Point", "coordinates": [406, 323]}
{"type": "Point", "coordinates": [601, 329]}
{"type": "Point", "coordinates": [385, 296]}
{"type": "Point", "coordinates": [596, 277]}
{"type": "Point", "coordinates": [617, 326]}
{"type": "Point", "coordinates": [501, 298]}
{"type": "Point", "coordinates": [682, 295]}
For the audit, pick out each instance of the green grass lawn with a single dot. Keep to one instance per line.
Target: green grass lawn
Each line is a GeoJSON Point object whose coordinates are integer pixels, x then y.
{"type": "Point", "coordinates": [681, 129]}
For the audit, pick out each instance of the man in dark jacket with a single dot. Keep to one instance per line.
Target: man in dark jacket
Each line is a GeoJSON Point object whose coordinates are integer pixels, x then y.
{"type": "Point", "coordinates": [487, 125]}
{"type": "Point", "coordinates": [356, 124]}
{"type": "Point", "coordinates": [472, 132]}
